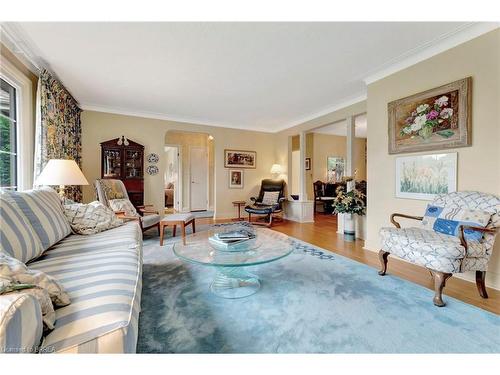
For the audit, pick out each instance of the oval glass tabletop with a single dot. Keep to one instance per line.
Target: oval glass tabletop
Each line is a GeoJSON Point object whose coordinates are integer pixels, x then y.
{"type": "Point", "coordinates": [267, 246]}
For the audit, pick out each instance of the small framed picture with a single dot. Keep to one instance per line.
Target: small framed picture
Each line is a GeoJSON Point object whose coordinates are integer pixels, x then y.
{"type": "Point", "coordinates": [236, 179]}
{"type": "Point", "coordinates": [308, 164]}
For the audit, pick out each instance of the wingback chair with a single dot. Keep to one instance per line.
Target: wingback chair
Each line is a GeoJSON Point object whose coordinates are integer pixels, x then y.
{"type": "Point", "coordinates": [468, 249]}
{"type": "Point", "coordinates": [111, 189]}
{"type": "Point", "coordinates": [261, 207]}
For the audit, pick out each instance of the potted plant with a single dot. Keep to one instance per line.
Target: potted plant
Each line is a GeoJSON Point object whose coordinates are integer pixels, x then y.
{"type": "Point", "coordinates": [349, 203]}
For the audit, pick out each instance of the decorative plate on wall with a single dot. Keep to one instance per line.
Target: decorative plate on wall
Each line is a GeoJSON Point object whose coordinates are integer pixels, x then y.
{"type": "Point", "coordinates": [152, 170]}
{"type": "Point", "coordinates": [153, 158]}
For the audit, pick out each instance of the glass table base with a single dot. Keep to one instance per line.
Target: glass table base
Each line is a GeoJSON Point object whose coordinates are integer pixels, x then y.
{"type": "Point", "coordinates": [234, 282]}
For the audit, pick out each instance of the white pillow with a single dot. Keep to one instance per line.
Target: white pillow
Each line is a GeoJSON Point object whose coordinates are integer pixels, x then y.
{"type": "Point", "coordinates": [45, 287]}
{"type": "Point", "coordinates": [123, 205]}
{"type": "Point", "coordinates": [270, 197]}
{"type": "Point", "coordinates": [91, 218]}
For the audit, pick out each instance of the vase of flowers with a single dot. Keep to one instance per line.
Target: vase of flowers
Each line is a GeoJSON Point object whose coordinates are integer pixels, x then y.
{"type": "Point", "coordinates": [426, 118]}
{"type": "Point", "coordinates": [349, 203]}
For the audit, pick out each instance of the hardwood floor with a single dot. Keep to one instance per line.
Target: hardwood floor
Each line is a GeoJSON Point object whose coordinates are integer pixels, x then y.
{"type": "Point", "coordinates": [323, 233]}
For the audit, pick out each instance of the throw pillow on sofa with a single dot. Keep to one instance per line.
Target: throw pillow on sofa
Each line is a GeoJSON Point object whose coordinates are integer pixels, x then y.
{"type": "Point", "coordinates": [17, 237]}
{"type": "Point", "coordinates": [14, 272]}
{"type": "Point", "coordinates": [447, 220]}
{"type": "Point", "coordinates": [123, 205]}
{"type": "Point", "coordinates": [43, 209]}
{"type": "Point", "coordinates": [90, 218]}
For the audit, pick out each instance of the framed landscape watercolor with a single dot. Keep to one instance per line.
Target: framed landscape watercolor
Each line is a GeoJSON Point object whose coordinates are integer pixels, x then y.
{"type": "Point", "coordinates": [240, 159]}
{"type": "Point", "coordinates": [435, 119]}
{"type": "Point", "coordinates": [426, 176]}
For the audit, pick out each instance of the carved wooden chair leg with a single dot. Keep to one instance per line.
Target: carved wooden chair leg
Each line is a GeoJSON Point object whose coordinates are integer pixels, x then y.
{"type": "Point", "coordinates": [382, 256]}
{"type": "Point", "coordinates": [481, 286]}
{"type": "Point", "coordinates": [439, 284]}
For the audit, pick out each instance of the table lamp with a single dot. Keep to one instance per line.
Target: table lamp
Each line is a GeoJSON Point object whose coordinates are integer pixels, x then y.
{"type": "Point", "coordinates": [61, 172]}
{"type": "Point", "coordinates": [276, 170]}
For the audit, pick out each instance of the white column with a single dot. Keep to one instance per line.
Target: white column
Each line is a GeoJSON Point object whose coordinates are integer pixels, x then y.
{"type": "Point", "coordinates": [349, 164]}
{"type": "Point", "coordinates": [302, 176]}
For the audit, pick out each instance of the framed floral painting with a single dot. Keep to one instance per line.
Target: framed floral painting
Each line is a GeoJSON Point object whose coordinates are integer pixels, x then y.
{"type": "Point", "coordinates": [435, 119]}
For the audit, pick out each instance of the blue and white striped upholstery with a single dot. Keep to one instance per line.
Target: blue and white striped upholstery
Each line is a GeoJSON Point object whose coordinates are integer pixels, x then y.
{"type": "Point", "coordinates": [43, 209]}
{"type": "Point", "coordinates": [20, 323]}
{"type": "Point", "coordinates": [17, 237]}
{"type": "Point", "coordinates": [102, 275]}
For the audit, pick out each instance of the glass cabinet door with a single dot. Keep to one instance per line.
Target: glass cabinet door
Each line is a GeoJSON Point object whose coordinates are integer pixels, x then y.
{"type": "Point", "coordinates": [112, 163]}
{"type": "Point", "coordinates": [133, 164]}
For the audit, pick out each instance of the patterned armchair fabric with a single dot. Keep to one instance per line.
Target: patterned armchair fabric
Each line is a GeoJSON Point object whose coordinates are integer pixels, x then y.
{"type": "Point", "coordinates": [446, 254]}
{"type": "Point", "coordinates": [441, 252]}
{"type": "Point", "coordinates": [110, 189]}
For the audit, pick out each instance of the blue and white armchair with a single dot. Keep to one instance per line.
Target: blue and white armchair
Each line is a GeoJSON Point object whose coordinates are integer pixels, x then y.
{"type": "Point", "coordinates": [457, 234]}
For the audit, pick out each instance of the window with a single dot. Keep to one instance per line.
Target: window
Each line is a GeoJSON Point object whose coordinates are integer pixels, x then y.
{"type": "Point", "coordinates": [8, 136]}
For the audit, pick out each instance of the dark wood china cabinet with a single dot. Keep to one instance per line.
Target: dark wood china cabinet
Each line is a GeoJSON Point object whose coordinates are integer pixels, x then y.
{"type": "Point", "coordinates": [123, 159]}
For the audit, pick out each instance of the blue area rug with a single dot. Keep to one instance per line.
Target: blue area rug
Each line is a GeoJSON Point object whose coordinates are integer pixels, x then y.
{"type": "Point", "coordinates": [312, 301]}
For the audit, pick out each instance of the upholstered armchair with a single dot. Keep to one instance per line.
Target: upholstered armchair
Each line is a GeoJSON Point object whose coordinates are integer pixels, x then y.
{"type": "Point", "coordinates": [113, 194]}
{"type": "Point", "coordinates": [269, 201]}
{"type": "Point", "coordinates": [456, 234]}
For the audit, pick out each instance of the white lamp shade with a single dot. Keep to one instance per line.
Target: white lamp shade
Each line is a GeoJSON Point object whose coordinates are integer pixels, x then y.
{"type": "Point", "coordinates": [61, 172]}
{"type": "Point", "coordinates": [276, 169]}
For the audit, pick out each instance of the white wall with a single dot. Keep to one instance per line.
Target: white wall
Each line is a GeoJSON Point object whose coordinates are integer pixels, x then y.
{"type": "Point", "coordinates": [99, 126]}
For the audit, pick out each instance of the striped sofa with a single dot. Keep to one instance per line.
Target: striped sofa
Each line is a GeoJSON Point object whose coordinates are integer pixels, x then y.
{"type": "Point", "coordinates": [100, 272]}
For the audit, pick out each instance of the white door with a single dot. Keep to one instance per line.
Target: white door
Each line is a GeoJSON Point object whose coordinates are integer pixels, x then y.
{"type": "Point", "coordinates": [198, 161]}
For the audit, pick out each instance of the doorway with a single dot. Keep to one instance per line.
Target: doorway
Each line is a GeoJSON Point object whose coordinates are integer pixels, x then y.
{"type": "Point", "coordinates": [173, 184]}
{"type": "Point", "coordinates": [195, 167]}
{"type": "Point", "coordinates": [198, 175]}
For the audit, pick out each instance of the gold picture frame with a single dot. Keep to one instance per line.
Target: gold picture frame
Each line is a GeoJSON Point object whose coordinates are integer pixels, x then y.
{"type": "Point", "coordinates": [240, 159]}
{"type": "Point", "coordinates": [435, 119]}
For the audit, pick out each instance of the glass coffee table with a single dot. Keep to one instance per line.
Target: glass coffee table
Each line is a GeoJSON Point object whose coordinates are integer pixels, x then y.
{"type": "Point", "coordinates": [232, 279]}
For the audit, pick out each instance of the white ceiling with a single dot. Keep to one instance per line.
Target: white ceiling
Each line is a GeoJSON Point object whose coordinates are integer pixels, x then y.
{"type": "Point", "coordinates": [261, 76]}
{"type": "Point", "coordinates": [340, 127]}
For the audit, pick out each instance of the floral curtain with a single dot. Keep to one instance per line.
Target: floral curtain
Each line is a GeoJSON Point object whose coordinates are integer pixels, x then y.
{"type": "Point", "coordinates": [58, 129]}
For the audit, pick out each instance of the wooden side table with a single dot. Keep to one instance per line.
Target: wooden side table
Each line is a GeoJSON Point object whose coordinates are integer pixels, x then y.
{"type": "Point", "coordinates": [173, 220]}
{"type": "Point", "coordinates": [239, 204]}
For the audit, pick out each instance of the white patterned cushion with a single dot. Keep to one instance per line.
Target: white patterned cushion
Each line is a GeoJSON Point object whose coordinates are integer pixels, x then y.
{"type": "Point", "coordinates": [475, 200]}
{"type": "Point", "coordinates": [270, 197]}
{"type": "Point", "coordinates": [20, 323]}
{"type": "Point", "coordinates": [43, 209]}
{"type": "Point", "coordinates": [149, 220]}
{"type": "Point", "coordinates": [123, 205]}
{"type": "Point", "coordinates": [17, 237]}
{"type": "Point", "coordinates": [48, 290]}
{"type": "Point", "coordinates": [448, 220]}
{"type": "Point", "coordinates": [428, 248]}
{"type": "Point", "coordinates": [91, 218]}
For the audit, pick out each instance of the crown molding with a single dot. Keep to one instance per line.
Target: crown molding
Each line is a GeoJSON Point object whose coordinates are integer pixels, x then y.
{"type": "Point", "coordinates": [339, 105]}
{"type": "Point", "coordinates": [434, 47]}
{"type": "Point", "coordinates": [11, 39]}
{"type": "Point", "coordinates": [166, 117]}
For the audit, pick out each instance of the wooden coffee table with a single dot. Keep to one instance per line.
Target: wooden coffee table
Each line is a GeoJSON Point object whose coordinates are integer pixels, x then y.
{"type": "Point", "coordinates": [173, 220]}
